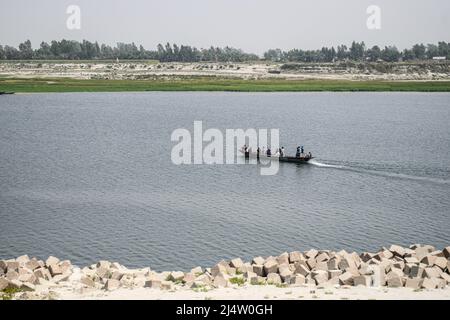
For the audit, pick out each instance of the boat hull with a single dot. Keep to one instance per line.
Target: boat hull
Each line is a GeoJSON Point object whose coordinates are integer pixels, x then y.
{"type": "Point", "coordinates": [281, 159]}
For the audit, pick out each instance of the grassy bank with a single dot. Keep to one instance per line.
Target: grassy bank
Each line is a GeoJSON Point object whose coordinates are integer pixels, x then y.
{"type": "Point", "coordinates": [215, 84]}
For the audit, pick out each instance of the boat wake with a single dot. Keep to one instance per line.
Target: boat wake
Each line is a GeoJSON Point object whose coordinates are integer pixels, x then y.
{"type": "Point", "coordinates": [380, 173]}
{"type": "Point", "coordinates": [324, 165]}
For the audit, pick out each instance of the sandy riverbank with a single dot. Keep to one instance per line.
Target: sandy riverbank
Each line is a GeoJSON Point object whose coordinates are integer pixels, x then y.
{"type": "Point", "coordinates": [419, 71]}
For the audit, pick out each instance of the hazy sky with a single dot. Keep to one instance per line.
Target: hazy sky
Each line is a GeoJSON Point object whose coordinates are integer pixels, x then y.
{"type": "Point", "coordinates": [253, 25]}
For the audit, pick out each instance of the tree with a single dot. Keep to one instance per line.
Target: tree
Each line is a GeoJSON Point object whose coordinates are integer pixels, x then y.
{"type": "Point", "coordinates": [432, 51]}
{"type": "Point", "coordinates": [419, 51]}
{"type": "Point", "coordinates": [390, 54]}
{"type": "Point", "coordinates": [26, 51]}
{"type": "Point", "coordinates": [2, 53]}
{"type": "Point", "coordinates": [374, 53]}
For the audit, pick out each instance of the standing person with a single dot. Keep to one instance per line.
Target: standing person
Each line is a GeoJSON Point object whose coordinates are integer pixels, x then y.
{"type": "Point", "coordinates": [269, 153]}
{"type": "Point", "coordinates": [258, 150]}
{"type": "Point", "coordinates": [297, 155]}
{"type": "Point", "coordinates": [282, 151]}
{"type": "Point", "coordinates": [302, 150]}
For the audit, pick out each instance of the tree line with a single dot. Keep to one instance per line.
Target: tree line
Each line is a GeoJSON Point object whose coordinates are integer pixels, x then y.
{"type": "Point", "coordinates": [86, 50]}
{"type": "Point", "coordinates": [359, 52]}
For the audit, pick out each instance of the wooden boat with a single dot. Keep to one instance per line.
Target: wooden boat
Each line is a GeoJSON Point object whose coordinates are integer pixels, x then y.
{"type": "Point", "coordinates": [303, 159]}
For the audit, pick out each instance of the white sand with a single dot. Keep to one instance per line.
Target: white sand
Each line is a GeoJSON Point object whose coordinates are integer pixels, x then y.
{"type": "Point", "coordinates": [256, 292]}
{"type": "Point", "coordinates": [178, 70]}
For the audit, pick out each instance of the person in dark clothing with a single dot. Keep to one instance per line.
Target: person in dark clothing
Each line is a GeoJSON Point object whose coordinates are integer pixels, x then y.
{"type": "Point", "coordinates": [297, 155]}
{"type": "Point", "coordinates": [269, 153]}
{"type": "Point", "coordinates": [258, 150]}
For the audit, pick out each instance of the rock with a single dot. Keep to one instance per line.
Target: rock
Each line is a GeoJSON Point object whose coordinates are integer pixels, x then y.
{"type": "Point", "coordinates": [421, 252]}
{"type": "Point", "coordinates": [188, 277]}
{"type": "Point", "coordinates": [27, 286]}
{"type": "Point", "coordinates": [322, 257]}
{"type": "Point", "coordinates": [311, 253]}
{"type": "Point", "coordinates": [103, 264]}
{"type": "Point", "coordinates": [394, 280]}
{"type": "Point", "coordinates": [414, 283]}
{"type": "Point", "coordinates": [322, 265]}
{"type": "Point", "coordinates": [397, 250]}
{"type": "Point", "coordinates": [446, 252]}
{"type": "Point", "coordinates": [51, 261]}
{"type": "Point", "coordinates": [295, 256]}
{"type": "Point", "coordinates": [431, 272]}
{"type": "Point", "coordinates": [176, 276]}
{"type": "Point", "coordinates": [12, 275]}
{"type": "Point", "coordinates": [55, 270]}
{"type": "Point", "coordinates": [302, 269]}
{"type": "Point", "coordinates": [285, 273]}
{"type": "Point", "coordinates": [297, 280]}
{"type": "Point", "coordinates": [441, 262]}
{"type": "Point", "coordinates": [346, 278]}
{"type": "Point", "coordinates": [197, 271]}
{"type": "Point", "coordinates": [166, 285]}
{"type": "Point", "coordinates": [236, 263]}
{"type": "Point", "coordinates": [3, 266]}
{"type": "Point", "coordinates": [31, 278]}
{"type": "Point", "coordinates": [334, 273]}
{"type": "Point", "coordinates": [258, 269]}
{"type": "Point", "coordinates": [4, 283]}
{"type": "Point", "coordinates": [103, 272]}
{"type": "Point", "coordinates": [320, 276]}
{"type": "Point", "coordinates": [311, 262]}
{"type": "Point", "coordinates": [258, 260]}
{"type": "Point", "coordinates": [365, 269]}
{"type": "Point", "coordinates": [62, 277]}
{"type": "Point", "coordinates": [366, 256]}
{"type": "Point", "coordinates": [15, 284]}
{"type": "Point", "coordinates": [219, 268]}
{"type": "Point", "coordinates": [153, 283]}
{"type": "Point", "coordinates": [283, 258]}
{"type": "Point", "coordinates": [112, 284]}
{"type": "Point", "coordinates": [204, 278]}
{"type": "Point", "coordinates": [251, 277]}
{"type": "Point", "coordinates": [65, 266]}
{"type": "Point", "coordinates": [429, 283]}
{"type": "Point", "coordinates": [429, 260]}
{"type": "Point", "coordinates": [446, 277]}
{"type": "Point", "coordinates": [220, 281]}
{"type": "Point", "coordinates": [32, 264]}
{"type": "Point", "coordinates": [117, 275]}
{"type": "Point", "coordinates": [42, 273]}
{"type": "Point", "coordinates": [387, 254]}
{"type": "Point", "coordinates": [23, 259]}
{"type": "Point", "coordinates": [245, 268]}
{"type": "Point", "coordinates": [273, 278]}
{"type": "Point", "coordinates": [333, 264]}
{"type": "Point", "coordinates": [270, 266]}
{"type": "Point", "coordinates": [12, 266]}
{"type": "Point", "coordinates": [411, 260]}
{"type": "Point", "coordinates": [397, 271]}
{"type": "Point", "coordinates": [416, 272]}
{"type": "Point", "coordinates": [87, 281]}
{"type": "Point", "coordinates": [362, 280]}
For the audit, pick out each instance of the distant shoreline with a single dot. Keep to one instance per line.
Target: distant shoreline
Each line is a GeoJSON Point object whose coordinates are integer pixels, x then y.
{"type": "Point", "coordinates": [42, 85]}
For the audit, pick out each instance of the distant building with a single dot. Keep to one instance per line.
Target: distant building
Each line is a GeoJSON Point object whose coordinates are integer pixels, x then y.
{"type": "Point", "coordinates": [439, 58]}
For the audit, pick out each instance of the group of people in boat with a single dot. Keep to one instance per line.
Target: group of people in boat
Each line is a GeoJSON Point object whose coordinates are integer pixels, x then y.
{"type": "Point", "coordinates": [280, 152]}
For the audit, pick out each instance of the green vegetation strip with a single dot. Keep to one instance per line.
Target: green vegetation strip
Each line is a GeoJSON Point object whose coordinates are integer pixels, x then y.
{"type": "Point", "coordinates": [213, 84]}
